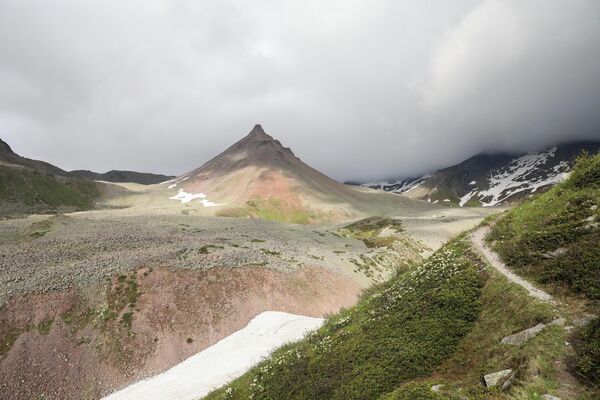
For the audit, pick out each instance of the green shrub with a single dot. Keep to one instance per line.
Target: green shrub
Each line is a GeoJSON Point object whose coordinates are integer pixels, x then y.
{"type": "Point", "coordinates": [586, 173]}
{"type": "Point", "coordinates": [588, 352]}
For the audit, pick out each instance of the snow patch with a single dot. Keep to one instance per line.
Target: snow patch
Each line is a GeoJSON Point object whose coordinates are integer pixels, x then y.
{"type": "Point", "coordinates": [172, 186]}
{"type": "Point", "coordinates": [527, 173]}
{"type": "Point", "coordinates": [186, 197]}
{"type": "Point", "coordinates": [221, 363]}
{"type": "Point", "coordinates": [398, 185]}
{"type": "Point", "coordinates": [522, 174]}
{"type": "Point", "coordinates": [465, 199]}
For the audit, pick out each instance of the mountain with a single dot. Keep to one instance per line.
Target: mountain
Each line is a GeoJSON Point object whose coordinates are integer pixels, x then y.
{"type": "Point", "coordinates": [36, 186]}
{"type": "Point", "coordinates": [259, 177]}
{"type": "Point", "coordinates": [10, 158]}
{"type": "Point", "coordinates": [121, 176]}
{"type": "Point", "coordinates": [448, 329]}
{"type": "Point", "coordinates": [492, 179]}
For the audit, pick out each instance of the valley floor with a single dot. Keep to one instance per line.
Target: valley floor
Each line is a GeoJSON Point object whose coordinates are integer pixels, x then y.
{"type": "Point", "coordinates": [93, 301]}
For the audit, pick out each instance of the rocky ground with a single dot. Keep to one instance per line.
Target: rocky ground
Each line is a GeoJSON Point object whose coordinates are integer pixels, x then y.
{"type": "Point", "coordinates": [51, 253]}
{"type": "Point", "coordinates": [92, 301]}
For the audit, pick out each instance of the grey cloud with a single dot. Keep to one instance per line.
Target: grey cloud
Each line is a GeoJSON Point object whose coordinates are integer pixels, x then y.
{"type": "Point", "coordinates": [358, 89]}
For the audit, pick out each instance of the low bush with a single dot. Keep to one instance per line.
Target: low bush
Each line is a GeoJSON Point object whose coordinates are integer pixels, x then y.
{"type": "Point", "coordinates": [588, 352]}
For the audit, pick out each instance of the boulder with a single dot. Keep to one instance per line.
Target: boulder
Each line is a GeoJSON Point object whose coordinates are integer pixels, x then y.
{"type": "Point", "coordinates": [497, 378]}
{"type": "Point", "coordinates": [508, 383]}
{"type": "Point", "coordinates": [437, 388]}
{"type": "Point", "coordinates": [581, 322]}
{"type": "Point", "coordinates": [550, 397]}
{"type": "Point", "coordinates": [520, 338]}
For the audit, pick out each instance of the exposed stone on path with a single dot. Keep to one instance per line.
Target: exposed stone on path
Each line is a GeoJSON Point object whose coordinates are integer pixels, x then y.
{"type": "Point", "coordinates": [581, 322]}
{"type": "Point", "coordinates": [494, 379]}
{"type": "Point", "coordinates": [550, 397]}
{"type": "Point", "coordinates": [520, 338]}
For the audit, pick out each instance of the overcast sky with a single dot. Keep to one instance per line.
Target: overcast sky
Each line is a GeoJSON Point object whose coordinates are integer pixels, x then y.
{"type": "Point", "coordinates": [358, 89]}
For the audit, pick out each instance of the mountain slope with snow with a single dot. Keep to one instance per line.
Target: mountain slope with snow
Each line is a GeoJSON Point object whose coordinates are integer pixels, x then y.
{"type": "Point", "coordinates": [492, 179]}
{"type": "Point", "coordinates": [257, 177]}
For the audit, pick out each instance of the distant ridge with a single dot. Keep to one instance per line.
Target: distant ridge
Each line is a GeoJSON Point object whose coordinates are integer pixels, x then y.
{"type": "Point", "coordinates": [10, 158]}
{"type": "Point", "coordinates": [492, 179]}
{"type": "Point", "coordinates": [122, 176]}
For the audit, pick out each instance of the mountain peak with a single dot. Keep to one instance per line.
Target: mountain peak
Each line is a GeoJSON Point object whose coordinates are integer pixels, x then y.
{"type": "Point", "coordinates": [259, 132]}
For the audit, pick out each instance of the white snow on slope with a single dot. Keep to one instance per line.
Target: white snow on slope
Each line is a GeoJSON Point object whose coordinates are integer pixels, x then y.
{"type": "Point", "coordinates": [465, 199]}
{"type": "Point", "coordinates": [527, 173]}
{"type": "Point", "coordinates": [186, 197]}
{"type": "Point", "coordinates": [398, 185]}
{"type": "Point", "coordinates": [221, 363]}
{"type": "Point", "coordinates": [520, 176]}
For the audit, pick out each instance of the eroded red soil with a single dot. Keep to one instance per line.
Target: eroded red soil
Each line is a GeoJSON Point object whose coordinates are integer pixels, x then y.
{"type": "Point", "coordinates": [99, 340]}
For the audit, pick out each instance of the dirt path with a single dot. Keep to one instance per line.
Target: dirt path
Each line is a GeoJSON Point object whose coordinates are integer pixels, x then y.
{"type": "Point", "coordinates": [478, 241]}
{"type": "Point", "coordinates": [570, 387]}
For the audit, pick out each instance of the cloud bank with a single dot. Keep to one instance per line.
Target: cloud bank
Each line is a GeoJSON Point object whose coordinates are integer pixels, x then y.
{"type": "Point", "coordinates": [358, 89]}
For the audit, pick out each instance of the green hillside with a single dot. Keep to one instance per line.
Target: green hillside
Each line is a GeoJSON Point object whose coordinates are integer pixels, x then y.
{"type": "Point", "coordinates": [26, 190]}
{"type": "Point", "coordinates": [442, 322]}
{"type": "Point", "coordinates": [554, 239]}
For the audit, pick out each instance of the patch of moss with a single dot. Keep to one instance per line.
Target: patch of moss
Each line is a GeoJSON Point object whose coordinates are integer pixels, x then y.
{"type": "Point", "coordinates": [127, 320]}
{"type": "Point", "coordinates": [271, 253]}
{"type": "Point", "coordinates": [270, 210]}
{"type": "Point", "coordinates": [370, 231]}
{"type": "Point", "coordinates": [8, 339]}
{"type": "Point", "coordinates": [77, 318]}
{"type": "Point", "coordinates": [206, 249]}
{"type": "Point", "coordinates": [38, 229]}
{"type": "Point", "coordinates": [44, 326]}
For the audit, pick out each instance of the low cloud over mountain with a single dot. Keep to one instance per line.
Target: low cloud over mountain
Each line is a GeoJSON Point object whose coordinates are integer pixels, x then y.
{"type": "Point", "coordinates": [359, 89]}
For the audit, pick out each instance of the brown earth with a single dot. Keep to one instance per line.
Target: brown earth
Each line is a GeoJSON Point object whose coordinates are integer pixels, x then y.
{"type": "Point", "coordinates": [82, 344]}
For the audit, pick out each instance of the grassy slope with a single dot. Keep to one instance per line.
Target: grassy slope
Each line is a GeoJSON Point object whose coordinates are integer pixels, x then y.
{"type": "Point", "coordinates": [440, 323]}
{"type": "Point", "coordinates": [270, 210]}
{"type": "Point", "coordinates": [23, 189]}
{"type": "Point", "coordinates": [554, 239]}
{"type": "Point", "coordinates": [399, 331]}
